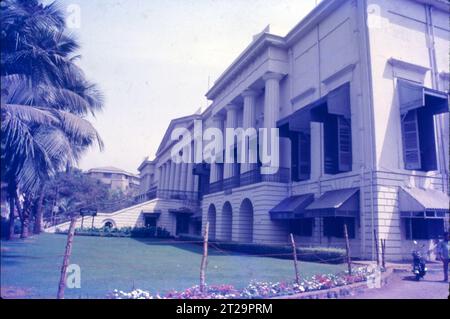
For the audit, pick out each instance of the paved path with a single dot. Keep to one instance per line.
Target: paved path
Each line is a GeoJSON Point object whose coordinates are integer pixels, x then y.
{"type": "Point", "coordinates": [402, 286]}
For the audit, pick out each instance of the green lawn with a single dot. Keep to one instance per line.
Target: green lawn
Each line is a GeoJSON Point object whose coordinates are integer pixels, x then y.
{"type": "Point", "coordinates": [32, 266]}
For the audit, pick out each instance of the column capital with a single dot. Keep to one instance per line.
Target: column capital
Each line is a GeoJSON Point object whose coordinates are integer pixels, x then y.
{"type": "Point", "coordinates": [232, 107]}
{"type": "Point", "coordinates": [249, 92]}
{"type": "Point", "coordinates": [272, 75]}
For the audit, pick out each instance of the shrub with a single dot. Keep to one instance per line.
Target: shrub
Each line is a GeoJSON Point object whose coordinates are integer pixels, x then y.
{"type": "Point", "coordinates": [330, 255]}
{"type": "Point", "coordinates": [137, 232]}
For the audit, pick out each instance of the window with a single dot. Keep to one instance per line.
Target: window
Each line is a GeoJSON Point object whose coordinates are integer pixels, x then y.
{"type": "Point", "coordinates": [419, 144]}
{"type": "Point", "coordinates": [337, 144]}
{"type": "Point", "coordinates": [107, 175]}
{"type": "Point", "coordinates": [334, 112]}
{"type": "Point", "coordinates": [302, 227]}
{"type": "Point", "coordinates": [301, 156]}
{"type": "Point", "coordinates": [421, 228]}
{"type": "Point", "coordinates": [334, 226]}
{"type": "Point", "coordinates": [418, 106]}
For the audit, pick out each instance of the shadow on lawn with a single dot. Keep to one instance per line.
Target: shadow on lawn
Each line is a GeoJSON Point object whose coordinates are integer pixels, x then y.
{"type": "Point", "coordinates": [188, 246]}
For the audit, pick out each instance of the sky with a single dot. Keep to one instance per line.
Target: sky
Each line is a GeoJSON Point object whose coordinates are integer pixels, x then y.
{"type": "Point", "coordinates": [154, 61]}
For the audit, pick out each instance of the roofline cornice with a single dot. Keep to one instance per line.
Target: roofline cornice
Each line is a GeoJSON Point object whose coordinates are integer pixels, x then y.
{"type": "Point", "coordinates": [263, 41]}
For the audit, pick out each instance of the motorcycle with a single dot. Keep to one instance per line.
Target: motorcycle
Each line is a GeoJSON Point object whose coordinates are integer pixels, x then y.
{"type": "Point", "coordinates": [419, 262]}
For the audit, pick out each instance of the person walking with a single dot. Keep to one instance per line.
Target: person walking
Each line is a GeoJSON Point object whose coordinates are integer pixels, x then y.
{"type": "Point", "coordinates": [443, 252]}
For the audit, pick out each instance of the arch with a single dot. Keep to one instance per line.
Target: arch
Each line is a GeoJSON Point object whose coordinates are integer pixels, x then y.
{"type": "Point", "coordinates": [211, 218]}
{"type": "Point", "coordinates": [226, 222]}
{"type": "Point", "coordinates": [246, 221]}
{"type": "Point", "coordinates": [109, 223]}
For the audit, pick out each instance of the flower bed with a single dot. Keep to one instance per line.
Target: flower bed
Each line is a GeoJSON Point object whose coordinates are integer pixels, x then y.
{"type": "Point", "coordinates": [256, 290]}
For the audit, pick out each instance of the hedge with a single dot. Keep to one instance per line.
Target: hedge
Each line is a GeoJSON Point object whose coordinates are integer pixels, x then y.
{"type": "Point", "coordinates": [330, 255]}
{"type": "Point", "coordinates": [136, 232]}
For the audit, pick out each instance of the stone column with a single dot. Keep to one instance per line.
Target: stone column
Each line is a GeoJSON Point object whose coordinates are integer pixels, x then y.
{"type": "Point", "coordinates": [249, 121]}
{"type": "Point", "coordinates": [190, 178]}
{"type": "Point", "coordinates": [183, 177]}
{"type": "Point", "coordinates": [271, 109]}
{"type": "Point", "coordinates": [172, 175]}
{"type": "Point", "coordinates": [160, 177]}
{"type": "Point", "coordinates": [216, 173]}
{"type": "Point", "coordinates": [229, 168]}
{"type": "Point", "coordinates": [176, 184]}
{"type": "Point", "coordinates": [166, 176]}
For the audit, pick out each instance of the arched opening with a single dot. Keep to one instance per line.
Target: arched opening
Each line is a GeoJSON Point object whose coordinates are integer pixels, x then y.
{"type": "Point", "coordinates": [246, 221]}
{"type": "Point", "coordinates": [226, 222]}
{"type": "Point", "coordinates": [109, 224]}
{"type": "Point", "coordinates": [212, 221]}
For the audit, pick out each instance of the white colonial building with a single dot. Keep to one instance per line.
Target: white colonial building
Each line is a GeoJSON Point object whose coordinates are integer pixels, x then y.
{"type": "Point", "coordinates": [359, 92]}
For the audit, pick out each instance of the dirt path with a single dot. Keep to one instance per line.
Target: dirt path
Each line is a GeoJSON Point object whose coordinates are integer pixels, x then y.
{"type": "Point", "coordinates": [402, 286]}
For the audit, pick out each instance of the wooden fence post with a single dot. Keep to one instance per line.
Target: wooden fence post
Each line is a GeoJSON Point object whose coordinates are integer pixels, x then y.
{"type": "Point", "coordinates": [376, 246]}
{"type": "Point", "coordinates": [347, 248]}
{"type": "Point", "coordinates": [204, 259]}
{"type": "Point", "coordinates": [68, 252]}
{"type": "Point", "coordinates": [294, 250]}
{"type": "Point", "coordinates": [383, 252]}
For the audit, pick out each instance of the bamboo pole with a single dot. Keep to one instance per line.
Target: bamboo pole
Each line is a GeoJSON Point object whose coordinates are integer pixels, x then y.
{"type": "Point", "coordinates": [204, 258]}
{"type": "Point", "coordinates": [383, 253]}
{"type": "Point", "coordinates": [68, 252]}
{"type": "Point", "coordinates": [376, 246]}
{"type": "Point", "coordinates": [294, 250]}
{"type": "Point", "coordinates": [347, 248]}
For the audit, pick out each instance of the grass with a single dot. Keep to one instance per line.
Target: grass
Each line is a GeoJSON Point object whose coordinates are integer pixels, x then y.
{"type": "Point", "coordinates": [32, 266]}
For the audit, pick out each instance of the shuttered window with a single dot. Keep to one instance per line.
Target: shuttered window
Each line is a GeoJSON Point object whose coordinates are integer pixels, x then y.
{"type": "Point", "coordinates": [304, 169]}
{"type": "Point", "coordinates": [301, 156]}
{"type": "Point", "coordinates": [411, 146]}
{"type": "Point", "coordinates": [344, 145]}
{"type": "Point", "coordinates": [338, 144]}
{"type": "Point", "coordinates": [419, 143]}
{"type": "Point", "coordinates": [418, 105]}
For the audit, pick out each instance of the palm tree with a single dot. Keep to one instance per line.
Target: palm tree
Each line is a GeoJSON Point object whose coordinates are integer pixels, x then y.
{"type": "Point", "coordinates": [45, 99]}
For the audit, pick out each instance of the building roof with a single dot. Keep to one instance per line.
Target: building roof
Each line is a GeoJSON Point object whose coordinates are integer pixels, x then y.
{"type": "Point", "coordinates": [110, 169]}
{"type": "Point", "coordinates": [165, 141]}
{"type": "Point", "coordinates": [144, 163]}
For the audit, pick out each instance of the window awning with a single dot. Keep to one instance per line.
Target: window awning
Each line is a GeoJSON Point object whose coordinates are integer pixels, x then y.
{"type": "Point", "coordinates": [151, 214]}
{"type": "Point", "coordinates": [423, 203]}
{"type": "Point", "coordinates": [338, 203]}
{"type": "Point", "coordinates": [337, 102]}
{"type": "Point", "coordinates": [291, 208]}
{"type": "Point", "coordinates": [413, 96]}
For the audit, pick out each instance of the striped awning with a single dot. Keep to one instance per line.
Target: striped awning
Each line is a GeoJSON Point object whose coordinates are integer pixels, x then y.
{"type": "Point", "coordinates": [423, 203]}
{"type": "Point", "coordinates": [291, 208]}
{"type": "Point", "coordinates": [337, 203]}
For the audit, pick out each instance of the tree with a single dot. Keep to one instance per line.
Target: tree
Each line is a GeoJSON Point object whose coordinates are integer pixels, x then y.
{"type": "Point", "coordinates": [73, 190]}
{"type": "Point", "coordinates": [44, 101]}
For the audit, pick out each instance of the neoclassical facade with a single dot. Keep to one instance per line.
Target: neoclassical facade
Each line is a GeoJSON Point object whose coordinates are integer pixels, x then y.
{"type": "Point", "coordinates": [359, 93]}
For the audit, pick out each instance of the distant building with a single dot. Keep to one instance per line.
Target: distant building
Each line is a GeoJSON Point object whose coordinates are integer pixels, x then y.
{"type": "Point", "coordinates": [116, 178]}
